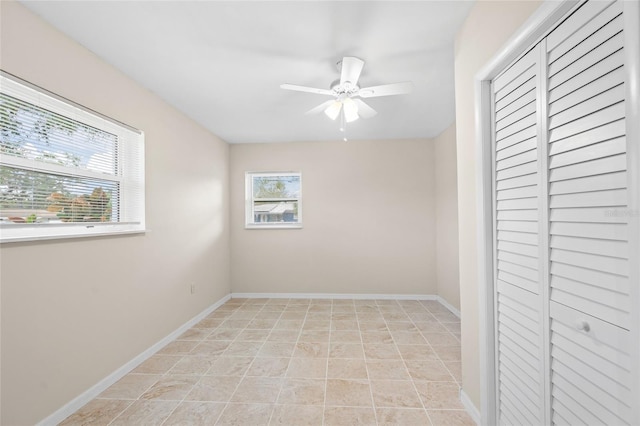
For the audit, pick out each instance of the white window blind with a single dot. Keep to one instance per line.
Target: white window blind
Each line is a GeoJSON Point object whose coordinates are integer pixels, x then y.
{"type": "Point", "coordinates": [65, 171]}
{"type": "Point", "coordinates": [273, 200]}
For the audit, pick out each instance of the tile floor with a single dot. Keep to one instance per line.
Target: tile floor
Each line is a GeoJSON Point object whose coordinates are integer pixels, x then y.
{"type": "Point", "coordinates": [297, 362]}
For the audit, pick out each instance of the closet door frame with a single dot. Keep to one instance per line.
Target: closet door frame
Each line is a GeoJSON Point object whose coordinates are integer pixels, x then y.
{"type": "Point", "coordinates": [548, 15]}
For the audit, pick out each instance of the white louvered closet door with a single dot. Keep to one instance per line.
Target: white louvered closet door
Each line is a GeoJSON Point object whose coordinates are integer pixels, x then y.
{"type": "Point", "coordinates": [590, 297]}
{"type": "Point", "coordinates": [519, 335]}
{"type": "Point", "coordinates": [564, 298]}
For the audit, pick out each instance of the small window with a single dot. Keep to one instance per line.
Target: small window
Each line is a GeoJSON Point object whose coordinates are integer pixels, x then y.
{"type": "Point", "coordinates": [273, 200]}
{"type": "Point", "coordinates": [65, 171]}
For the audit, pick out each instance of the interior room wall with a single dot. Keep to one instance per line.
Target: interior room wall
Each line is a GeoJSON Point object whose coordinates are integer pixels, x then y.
{"type": "Point", "coordinates": [487, 28]}
{"type": "Point", "coordinates": [75, 310]}
{"type": "Point", "coordinates": [368, 217]}
{"type": "Point", "coordinates": [447, 217]}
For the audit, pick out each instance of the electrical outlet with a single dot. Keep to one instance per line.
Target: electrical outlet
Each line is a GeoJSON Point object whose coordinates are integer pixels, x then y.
{"type": "Point", "coordinates": [193, 288]}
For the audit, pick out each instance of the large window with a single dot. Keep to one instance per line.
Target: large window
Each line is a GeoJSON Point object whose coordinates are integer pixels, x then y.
{"type": "Point", "coordinates": [64, 170]}
{"type": "Point", "coordinates": [273, 200]}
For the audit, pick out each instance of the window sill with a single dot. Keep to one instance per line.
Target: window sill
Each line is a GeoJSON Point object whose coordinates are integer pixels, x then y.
{"type": "Point", "coordinates": [273, 226]}
{"type": "Point", "coordinates": [12, 237]}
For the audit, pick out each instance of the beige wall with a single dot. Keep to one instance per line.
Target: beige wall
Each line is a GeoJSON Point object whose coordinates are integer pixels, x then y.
{"type": "Point", "coordinates": [447, 217]}
{"type": "Point", "coordinates": [487, 28]}
{"type": "Point", "coordinates": [73, 311]}
{"type": "Point", "coordinates": [368, 213]}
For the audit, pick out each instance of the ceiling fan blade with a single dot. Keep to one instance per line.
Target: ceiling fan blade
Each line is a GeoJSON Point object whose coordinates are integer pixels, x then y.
{"type": "Point", "coordinates": [386, 90]}
{"type": "Point", "coordinates": [351, 69]}
{"type": "Point", "coordinates": [320, 108]}
{"type": "Point", "coordinates": [306, 89]}
{"type": "Point", "coordinates": [364, 110]}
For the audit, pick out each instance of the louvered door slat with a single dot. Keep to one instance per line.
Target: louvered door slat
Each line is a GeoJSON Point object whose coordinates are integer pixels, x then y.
{"type": "Point", "coordinates": [520, 377]}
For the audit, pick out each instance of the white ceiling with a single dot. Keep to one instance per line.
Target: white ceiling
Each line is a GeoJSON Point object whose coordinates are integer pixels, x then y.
{"type": "Point", "coordinates": [222, 63]}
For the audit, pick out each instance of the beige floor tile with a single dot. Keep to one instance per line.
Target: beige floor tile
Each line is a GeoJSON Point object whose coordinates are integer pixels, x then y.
{"type": "Point", "coordinates": [455, 368]}
{"type": "Point", "coordinates": [171, 388]}
{"type": "Point", "coordinates": [252, 335]}
{"type": "Point", "coordinates": [448, 353]}
{"type": "Point", "coordinates": [307, 368]}
{"type": "Point", "coordinates": [210, 348]}
{"type": "Point", "coordinates": [145, 413]}
{"type": "Point", "coordinates": [446, 316]}
{"type": "Point", "coordinates": [352, 393]}
{"type": "Point", "coordinates": [246, 414]}
{"type": "Point", "coordinates": [295, 315]}
{"type": "Point", "coordinates": [214, 388]}
{"type": "Point", "coordinates": [257, 390]}
{"type": "Point", "coordinates": [395, 316]}
{"type": "Point", "coordinates": [275, 314]}
{"type": "Point", "coordinates": [450, 418]}
{"type": "Point", "coordinates": [408, 338]}
{"type": "Point", "coordinates": [422, 317]}
{"type": "Point", "coordinates": [344, 325]}
{"type": "Point", "coordinates": [387, 370]}
{"type": "Point", "coordinates": [395, 393]}
{"type": "Point", "coordinates": [276, 349]}
{"type": "Point", "coordinates": [347, 368]}
{"type": "Point", "coordinates": [346, 350]}
{"type": "Point", "coordinates": [302, 392]}
{"type": "Point", "coordinates": [349, 416]}
{"type": "Point", "coordinates": [430, 327]}
{"type": "Point", "coordinates": [197, 365]}
{"type": "Point", "coordinates": [262, 324]}
{"type": "Point", "coordinates": [269, 367]}
{"type": "Point", "coordinates": [344, 315]}
{"type": "Point", "coordinates": [237, 323]}
{"type": "Point", "coordinates": [195, 413]}
{"type": "Point", "coordinates": [381, 351]}
{"type": "Point", "coordinates": [370, 326]}
{"type": "Point", "coordinates": [317, 362]}
{"type": "Point", "coordinates": [377, 337]}
{"type": "Point", "coordinates": [299, 415]}
{"type": "Point", "coordinates": [428, 370]}
{"type": "Point", "coordinates": [224, 334]}
{"type": "Point", "coordinates": [243, 349]}
{"type": "Point", "coordinates": [195, 334]}
{"type": "Point", "coordinates": [157, 364]}
{"type": "Point", "coordinates": [97, 412]}
{"type": "Point", "coordinates": [401, 326]}
{"type": "Point", "coordinates": [321, 325]}
{"type": "Point", "coordinates": [345, 336]}
{"type": "Point", "coordinates": [178, 347]}
{"type": "Point", "coordinates": [229, 366]}
{"type": "Point", "coordinates": [283, 336]}
{"type": "Point", "coordinates": [417, 352]}
{"type": "Point", "coordinates": [311, 350]}
{"type": "Point", "coordinates": [317, 336]}
{"type": "Point", "coordinates": [441, 339]}
{"type": "Point", "coordinates": [130, 386]}
{"type": "Point", "coordinates": [290, 324]}
{"type": "Point", "coordinates": [209, 323]}
{"type": "Point", "coordinates": [402, 417]}
{"type": "Point", "coordinates": [439, 395]}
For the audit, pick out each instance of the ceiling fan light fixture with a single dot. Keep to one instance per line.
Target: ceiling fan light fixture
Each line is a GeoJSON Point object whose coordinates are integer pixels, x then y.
{"type": "Point", "coordinates": [350, 110]}
{"type": "Point", "coordinates": [333, 110]}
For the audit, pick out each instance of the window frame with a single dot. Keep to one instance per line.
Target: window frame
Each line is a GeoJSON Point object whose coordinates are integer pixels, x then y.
{"type": "Point", "coordinates": [130, 176]}
{"type": "Point", "coordinates": [249, 222]}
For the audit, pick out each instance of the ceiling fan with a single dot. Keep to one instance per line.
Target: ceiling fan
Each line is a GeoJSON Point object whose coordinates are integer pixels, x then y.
{"type": "Point", "coordinates": [346, 93]}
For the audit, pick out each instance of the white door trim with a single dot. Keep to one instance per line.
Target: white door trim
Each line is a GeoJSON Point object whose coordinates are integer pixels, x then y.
{"type": "Point", "coordinates": [532, 31]}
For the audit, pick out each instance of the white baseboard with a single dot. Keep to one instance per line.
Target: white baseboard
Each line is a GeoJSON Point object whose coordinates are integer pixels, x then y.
{"type": "Point", "coordinates": [470, 407]}
{"type": "Point", "coordinates": [82, 399]}
{"type": "Point", "coordinates": [358, 296]}
{"type": "Point", "coordinates": [449, 306]}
